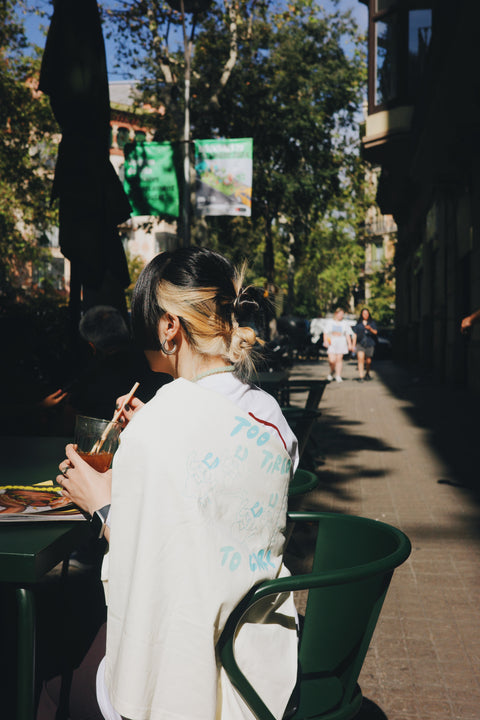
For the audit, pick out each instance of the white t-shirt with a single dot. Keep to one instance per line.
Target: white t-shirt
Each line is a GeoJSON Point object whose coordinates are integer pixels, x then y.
{"type": "Point", "coordinates": [337, 328]}
{"type": "Point", "coordinates": [262, 406]}
{"type": "Point", "coordinates": [265, 410]}
{"type": "Point", "coordinates": [335, 333]}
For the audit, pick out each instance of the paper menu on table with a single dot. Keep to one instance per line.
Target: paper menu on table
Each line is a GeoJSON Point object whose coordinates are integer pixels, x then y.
{"type": "Point", "coordinates": [44, 501]}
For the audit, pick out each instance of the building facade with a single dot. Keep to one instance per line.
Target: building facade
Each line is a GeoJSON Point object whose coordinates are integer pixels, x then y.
{"type": "Point", "coordinates": [380, 242]}
{"type": "Point", "coordinates": [422, 129]}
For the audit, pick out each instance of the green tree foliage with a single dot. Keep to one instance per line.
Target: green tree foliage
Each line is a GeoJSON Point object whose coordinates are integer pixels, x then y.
{"type": "Point", "coordinates": [334, 255]}
{"type": "Point", "coordinates": [382, 295]}
{"type": "Point", "coordinates": [26, 155]}
{"type": "Point", "coordinates": [292, 80]}
{"type": "Point", "coordinates": [295, 91]}
{"type": "Point", "coordinates": [290, 76]}
{"type": "Point", "coordinates": [135, 267]}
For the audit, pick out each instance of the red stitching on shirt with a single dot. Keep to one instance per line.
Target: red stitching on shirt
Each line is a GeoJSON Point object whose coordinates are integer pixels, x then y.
{"type": "Point", "coordinates": [265, 422]}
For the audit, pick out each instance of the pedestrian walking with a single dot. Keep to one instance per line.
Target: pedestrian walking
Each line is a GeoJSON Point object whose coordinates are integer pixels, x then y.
{"type": "Point", "coordinates": [337, 338]}
{"type": "Point", "coordinates": [365, 333]}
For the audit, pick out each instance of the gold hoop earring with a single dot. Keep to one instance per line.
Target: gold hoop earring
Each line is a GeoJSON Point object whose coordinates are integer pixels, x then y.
{"type": "Point", "coordinates": [164, 349]}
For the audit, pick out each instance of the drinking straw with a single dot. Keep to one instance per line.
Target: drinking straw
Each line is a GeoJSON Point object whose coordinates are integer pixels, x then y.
{"type": "Point", "coordinates": [116, 415]}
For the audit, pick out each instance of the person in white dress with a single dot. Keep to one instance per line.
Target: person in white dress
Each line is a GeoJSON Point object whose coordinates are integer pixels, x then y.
{"type": "Point", "coordinates": [338, 339]}
{"type": "Point", "coordinates": [194, 511]}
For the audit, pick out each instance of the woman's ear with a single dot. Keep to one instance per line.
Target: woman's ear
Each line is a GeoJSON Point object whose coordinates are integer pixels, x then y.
{"type": "Point", "coordinates": [169, 327]}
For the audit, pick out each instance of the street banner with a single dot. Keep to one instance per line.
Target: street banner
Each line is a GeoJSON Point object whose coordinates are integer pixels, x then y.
{"type": "Point", "coordinates": [224, 171]}
{"type": "Point", "coordinates": [151, 180]}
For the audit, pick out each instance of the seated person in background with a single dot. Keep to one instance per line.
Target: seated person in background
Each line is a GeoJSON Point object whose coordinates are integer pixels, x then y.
{"type": "Point", "coordinates": [32, 403]}
{"type": "Point", "coordinates": [337, 338]}
{"type": "Point", "coordinates": [194, 511]}
{"type": "Point", "coordinates": [114, 366]}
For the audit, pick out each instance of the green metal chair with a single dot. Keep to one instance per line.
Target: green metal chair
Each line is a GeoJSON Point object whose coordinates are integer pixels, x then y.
{"type": "Point", "coordinates": [353, 564]}
{"type": "Point", "coordinates": [302, 482]}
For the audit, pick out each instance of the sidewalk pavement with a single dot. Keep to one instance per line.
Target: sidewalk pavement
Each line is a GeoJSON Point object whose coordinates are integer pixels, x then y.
{"type": "Point", "coordinates": [406, 451]}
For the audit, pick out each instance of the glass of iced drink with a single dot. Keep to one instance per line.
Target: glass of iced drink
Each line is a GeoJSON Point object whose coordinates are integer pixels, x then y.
{"type": "Point", "coordinates": [96, 440]}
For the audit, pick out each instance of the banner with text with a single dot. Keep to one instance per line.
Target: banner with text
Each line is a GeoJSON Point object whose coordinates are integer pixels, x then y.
{"type": "Point", "coordinates": [151, 179]}
{"type": "Point", "coordinates": [224, 171]}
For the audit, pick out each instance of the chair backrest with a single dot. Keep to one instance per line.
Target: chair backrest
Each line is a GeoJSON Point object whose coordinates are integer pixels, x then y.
{"type": "Point", "coordinates": [353, 563]}
{"type": "Point", "coordinates": [314, 388]}
{"type": "Point", "coordinates": [302, 422]}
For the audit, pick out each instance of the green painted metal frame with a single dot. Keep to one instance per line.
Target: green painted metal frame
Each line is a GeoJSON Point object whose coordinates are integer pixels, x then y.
{"type": "Point", "coordinates": [27, 552]}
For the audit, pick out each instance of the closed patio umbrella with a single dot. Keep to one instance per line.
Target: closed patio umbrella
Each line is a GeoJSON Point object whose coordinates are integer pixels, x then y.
{"type": "Point", "coordinates": [92, 202]}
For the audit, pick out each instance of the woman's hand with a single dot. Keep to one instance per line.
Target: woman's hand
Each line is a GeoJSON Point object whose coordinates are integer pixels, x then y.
{"type": "Point", "coordinates": [129, 410]}
{"type": "Point", "coordinates": [83, 485]}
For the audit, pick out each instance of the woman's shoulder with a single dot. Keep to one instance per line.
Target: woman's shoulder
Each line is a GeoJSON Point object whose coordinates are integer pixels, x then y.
{"type": "Point", "coordinates": [246, 396]}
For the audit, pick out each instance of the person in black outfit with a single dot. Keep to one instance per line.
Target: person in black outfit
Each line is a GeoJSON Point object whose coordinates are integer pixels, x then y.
{"type": "Point", "coordinates": [365, 334]}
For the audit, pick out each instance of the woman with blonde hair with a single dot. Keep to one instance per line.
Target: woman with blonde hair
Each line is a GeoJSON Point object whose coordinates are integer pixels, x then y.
{"type": "Point", "coordinates": [337, 338]}
{"type": "Point", "coordinates": [194, 511]}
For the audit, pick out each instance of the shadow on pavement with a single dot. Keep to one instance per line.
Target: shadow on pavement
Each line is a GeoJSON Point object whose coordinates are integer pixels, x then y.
{"type": "Point", "coordinates": [449, 414]}
{"type": "Point", "coordinates": [336, 437]}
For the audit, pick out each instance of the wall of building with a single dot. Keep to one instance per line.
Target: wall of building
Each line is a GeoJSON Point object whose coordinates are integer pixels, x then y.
{"type": "Point", "coordinates": [431, 184]}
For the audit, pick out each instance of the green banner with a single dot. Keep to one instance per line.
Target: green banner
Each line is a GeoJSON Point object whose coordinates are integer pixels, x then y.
{"type": "Point", "coordinates": [150, 178]}
{"type": "Point", "coordinates": [224, 171]}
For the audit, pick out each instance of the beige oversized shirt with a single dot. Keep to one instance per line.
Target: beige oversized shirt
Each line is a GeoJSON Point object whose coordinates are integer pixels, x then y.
{"type": "Point", "coordinates": [198, 517]}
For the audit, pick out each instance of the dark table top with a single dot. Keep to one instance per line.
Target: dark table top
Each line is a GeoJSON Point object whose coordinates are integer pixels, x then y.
{"type": "Point", "coordinates": [25, 460]}
{"type": "Point", "coordinates": [30, 549]}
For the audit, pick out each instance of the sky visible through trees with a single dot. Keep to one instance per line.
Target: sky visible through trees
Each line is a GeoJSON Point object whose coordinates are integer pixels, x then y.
{"type": "Point", "coordinates": [35, 34]}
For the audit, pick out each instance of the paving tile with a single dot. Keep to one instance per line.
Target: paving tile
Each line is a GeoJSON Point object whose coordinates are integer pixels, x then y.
{"type": "Point", "coordinates": [429, 707]}
{"type": "Point", "coordinates": [466, 711]}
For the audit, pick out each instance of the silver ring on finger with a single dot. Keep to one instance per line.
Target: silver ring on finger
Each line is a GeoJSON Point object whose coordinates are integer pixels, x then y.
{"type": "Point", "coordinates": [64, 471]}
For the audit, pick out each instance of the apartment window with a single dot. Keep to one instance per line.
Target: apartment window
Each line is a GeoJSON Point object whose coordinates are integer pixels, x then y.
{"type": "Point", "coordinates": [400, 35]}
{"type": "Point", "coordinates": [419, 36]}
{"type": "Point", "coordinates": [123, 136]}
{"type": "Point", "coordinates": [386, 60]}
{"type": "Point", "coordinates": [140, 136]}
{"type": "Point", "coordinates": [378, 253]}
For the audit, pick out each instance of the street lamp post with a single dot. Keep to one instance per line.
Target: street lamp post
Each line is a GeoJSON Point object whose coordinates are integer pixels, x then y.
{"type": "Point", "coordinates": [187, 6]}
